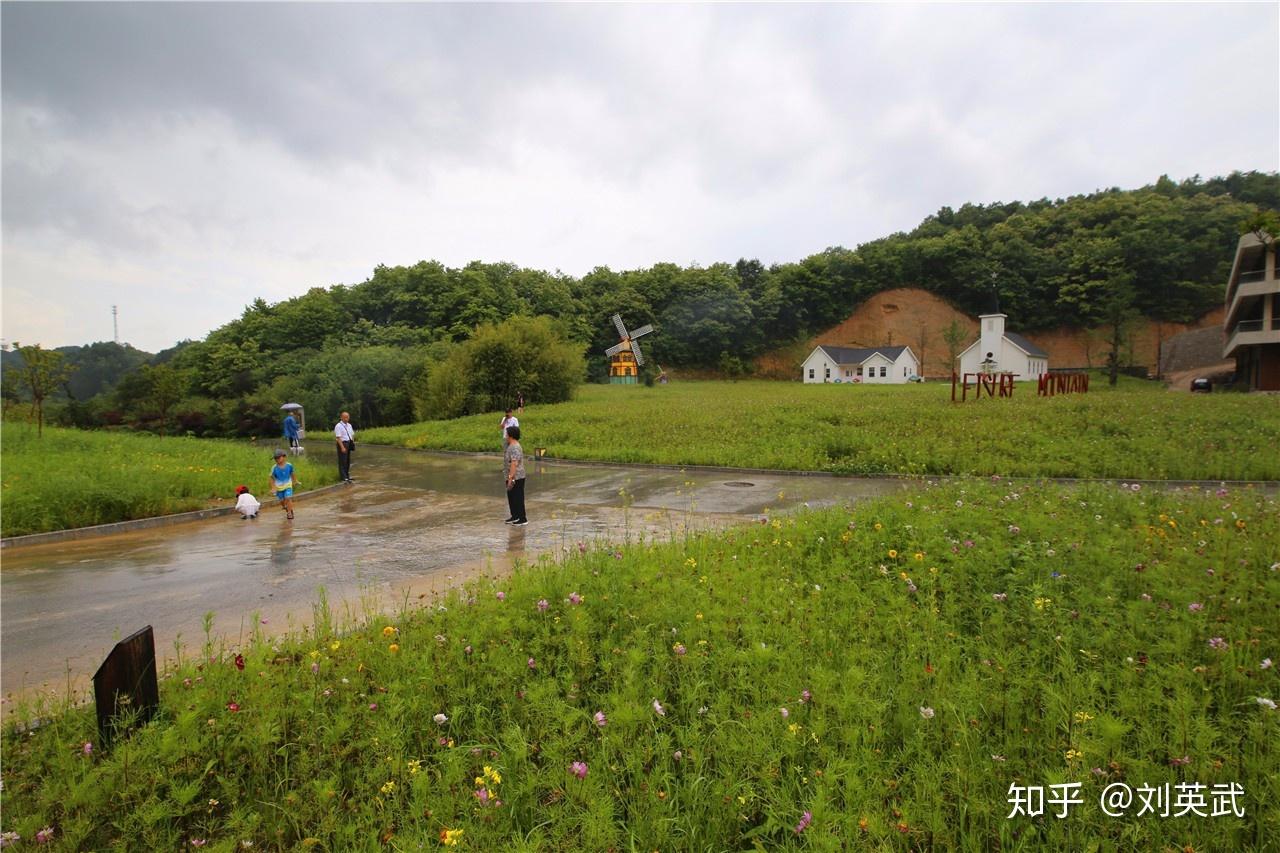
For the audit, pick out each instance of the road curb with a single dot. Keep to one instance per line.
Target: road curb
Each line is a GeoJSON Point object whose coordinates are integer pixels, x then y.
{"type": "Point", "coordinates": [54, 536]}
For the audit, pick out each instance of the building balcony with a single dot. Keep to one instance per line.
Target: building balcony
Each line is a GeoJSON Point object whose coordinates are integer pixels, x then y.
{"type": "Point", "coordinates": [1251, 333]}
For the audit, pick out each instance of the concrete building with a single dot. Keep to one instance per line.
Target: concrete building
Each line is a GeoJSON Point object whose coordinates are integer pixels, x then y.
{"type": "Point", "coordinates": [881, 365]}
{"type": "Point", "coordinates": [1252, 324]}
{"type": "Point", "coordinates": [998, 351]}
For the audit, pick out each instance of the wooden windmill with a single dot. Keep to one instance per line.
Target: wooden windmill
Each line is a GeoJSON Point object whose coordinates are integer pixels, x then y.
{"type": "Point", "coordinates": [625, 357]}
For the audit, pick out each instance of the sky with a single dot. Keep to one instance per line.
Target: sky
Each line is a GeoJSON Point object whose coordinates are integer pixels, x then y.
{"type": "Point", "coordinates": [181, 160]}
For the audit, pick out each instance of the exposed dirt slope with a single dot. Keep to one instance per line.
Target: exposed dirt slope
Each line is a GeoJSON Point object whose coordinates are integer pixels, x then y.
{"type": "Point", "coordinates": [917, 319]}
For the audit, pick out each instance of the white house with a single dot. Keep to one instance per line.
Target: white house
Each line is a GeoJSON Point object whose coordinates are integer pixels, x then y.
{"type": "Point", "coordinates": [869, 364]}
{"type": "Point", "coordinates": [998, 351]}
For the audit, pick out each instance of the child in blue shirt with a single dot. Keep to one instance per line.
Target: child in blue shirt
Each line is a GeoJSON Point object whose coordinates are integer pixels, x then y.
{"type": "Point", "coordinates": [283, 482]}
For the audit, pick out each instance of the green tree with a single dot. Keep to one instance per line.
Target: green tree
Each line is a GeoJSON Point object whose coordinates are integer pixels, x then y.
{"type": "Point", "coordinates": [165, 387]}
{"type": "Point", "coordinates": [41, 373]}
{"type": "Point", "coordinates": [954, 336]}
{"type": "Point", "coordinates": [521, 355]}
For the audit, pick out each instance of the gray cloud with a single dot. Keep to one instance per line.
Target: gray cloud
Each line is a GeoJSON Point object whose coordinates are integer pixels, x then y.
{"type": "Point", "coordinates": [185, 158]}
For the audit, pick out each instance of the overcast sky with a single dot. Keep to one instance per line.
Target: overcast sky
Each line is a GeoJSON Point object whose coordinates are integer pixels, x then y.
{"type": "Point", "coordinates": [179, 160]}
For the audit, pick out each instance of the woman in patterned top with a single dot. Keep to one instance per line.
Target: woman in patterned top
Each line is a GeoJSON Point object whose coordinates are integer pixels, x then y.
{"type": "Point", "coordinates": [513, 464]}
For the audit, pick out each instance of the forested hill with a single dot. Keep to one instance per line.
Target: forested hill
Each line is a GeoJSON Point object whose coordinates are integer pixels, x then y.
{"type": "Point", "coordinates": [1050, 261]}
{"type": "Point", "coordinates": [1164, 250]}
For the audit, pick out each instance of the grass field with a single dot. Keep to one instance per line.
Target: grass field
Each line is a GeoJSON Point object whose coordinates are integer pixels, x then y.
{"type": "Point", "coordinates": [1136, 430]}
{"type": "Point", "coordinates": [875, 678]}
{"type": "Point", "coordinates": [75, 478]}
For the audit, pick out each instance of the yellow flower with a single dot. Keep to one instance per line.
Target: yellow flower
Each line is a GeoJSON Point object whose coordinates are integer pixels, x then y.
{"type": "Point", "coordinates": [919, 555]}
{"type": "Point", "coordinates": [1239, 524]}
{"type": "Point", "coordinates": [334, 646]}
{"type": "Point", "coordinates": [388, 631]}
{"type": "Point", "coordinates": [492, 775]}
{"type": "Point", "coordinates": [698, 616]}
{"type": "Point", "coordinates": [892, 553]}
{"type": "Point", "coordinates": [389, 787]}
{"type": "Point", "coordinates": [1083, 716]}
{"type": "Point", "coordinates": [414, 766]}
{"type": "Point", "coordinates": [1042, 603]}
{"type": "Point", "coordinates": [691, 563]}
{"type": "Point", "coordinates": [878, 526]}
{"type": "Point", "coordinates": [1074, 755]}
{"type": "Point", "coordinates": [393, 648]}
{"type": "Point", "coordinates": [450, 837]}
{"type": "Point", "coordinates": [903, 575]}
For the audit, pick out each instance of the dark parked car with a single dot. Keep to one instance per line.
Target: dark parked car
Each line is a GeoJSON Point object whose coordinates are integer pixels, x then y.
{"type": "Point", "coordinates": [1201, 384]}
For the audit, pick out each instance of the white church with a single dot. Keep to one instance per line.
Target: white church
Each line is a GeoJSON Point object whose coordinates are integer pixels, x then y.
{"type": "Point", "coordinates": [998, 351]}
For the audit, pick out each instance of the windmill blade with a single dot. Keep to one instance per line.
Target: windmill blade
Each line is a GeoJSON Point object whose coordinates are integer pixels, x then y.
{"type": "Point", "coordinates": [617, 321]}
{"type": "Point", "coordinates": [635, 348]}
{"type": "Point", "coordinates": [643, 330]}
{"type": "Point", "coordinates": [616, 348]}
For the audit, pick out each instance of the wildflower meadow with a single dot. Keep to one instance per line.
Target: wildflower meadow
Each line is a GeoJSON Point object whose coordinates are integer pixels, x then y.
{"type": "Point", "coordinates": [888, 676]}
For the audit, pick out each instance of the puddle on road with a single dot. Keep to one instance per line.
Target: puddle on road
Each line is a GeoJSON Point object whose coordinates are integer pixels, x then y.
{"type": "Point", "coordinates": [413, 523]}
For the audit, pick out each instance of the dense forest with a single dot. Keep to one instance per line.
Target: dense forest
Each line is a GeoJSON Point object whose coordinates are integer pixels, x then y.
{"type": "Point", "coordinates": [1166, 249]}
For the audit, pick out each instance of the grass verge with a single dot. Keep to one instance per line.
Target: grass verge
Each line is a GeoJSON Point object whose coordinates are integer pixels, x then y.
{"type": "Point", "coordinates": [1138, 430]}
{"type": "Point", "coordinates": [76, 478]}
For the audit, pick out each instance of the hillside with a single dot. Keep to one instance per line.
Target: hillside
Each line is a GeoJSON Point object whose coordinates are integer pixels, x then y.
{"type": "Point", "coordinates": [1058, 268]}
{"type": "Point", "coordinates": [917, 318]}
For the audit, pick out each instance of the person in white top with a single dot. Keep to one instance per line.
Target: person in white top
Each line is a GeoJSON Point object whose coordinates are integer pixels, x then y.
{"type": "Point", "coordinates": [509, 421]}
{"type": "Point", "coordinates": [246, 504]}
{"type": "Point", "coordinates": [344, 434]}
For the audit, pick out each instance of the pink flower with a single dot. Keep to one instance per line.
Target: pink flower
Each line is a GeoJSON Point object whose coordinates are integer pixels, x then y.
{"type": "Point", "coordinates": [315, 667]}
{"type": "Point", "coordinates": [45, 835]}
{"type": "Point", "coordinates": [240, 662]}
{"type": "Point", "coordinates": [805, 820]}
{"type": "Point", "coordinates": [233, 707]}
{"type": "Point", "coordinates": [1180, 762]}
{"type": "Point", "coordinates": [482, 794]}
{"type": "Point", "coordinates": [578, 769]}
{"type": "Point", "coordinates": [502, 596]}
{"type": "Point", "coordinates": [533, 664]}
{"type": "Point", "coordinates": [87, 749]}
{"type": "Point", "coordinates": [467, 650]}
{"type": "Point", "coordinates": [373, 706]}
{"type": "Point", "coordinates": [600, 719]}
{"type": "Point", "coordinates": [543, 605]}
{"type": "Point", "coordinates": [805, 696]}
{"type": "Point", "coordinates": [784, 712]}
{"type": "Point", "coordinates": [198, 842]}
{"type": "Point", "coordinates": [658, 709]}
{"type": "Point", "coordinates": [1195, 607]}
{"type": "Point", "coordinates": [574, 598]}
{"type": "Point", "coordinates": [1015, 529]}
{"type": "Point", "coordinates": [1218, 643]}
{"type": "Point", "coordinates": [679, 649]}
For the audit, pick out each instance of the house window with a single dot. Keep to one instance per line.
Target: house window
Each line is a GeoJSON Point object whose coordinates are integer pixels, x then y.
{"type": "Point", "coordinates": [827, 373]}
{"type": "Point", "coordinates": [883, 371]}
{"type": "Point", "coordinates": [810, 372]}
{"type": "Point", "coordinates": [859, 369]}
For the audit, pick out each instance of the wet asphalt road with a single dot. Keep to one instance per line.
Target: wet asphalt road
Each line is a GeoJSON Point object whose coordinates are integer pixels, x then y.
{"type": "Point", "coordinates": [411, 524]}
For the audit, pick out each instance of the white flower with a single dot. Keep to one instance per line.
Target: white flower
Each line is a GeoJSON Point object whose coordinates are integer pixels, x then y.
{"type": "Point", "coordinates": [1266, 703]}
{"type": "Point", "coordinates": [926, 712]}
{"type": "Point", "coordinates": [440, 719]}
{"type": "Point", "coordinates": [1266, 663]}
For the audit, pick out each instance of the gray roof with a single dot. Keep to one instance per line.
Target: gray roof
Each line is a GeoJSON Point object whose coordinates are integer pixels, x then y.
{"type": "Point", "coordinates": [852, 355]}
{"type": "Point", "coordinates": [1025, 345]}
